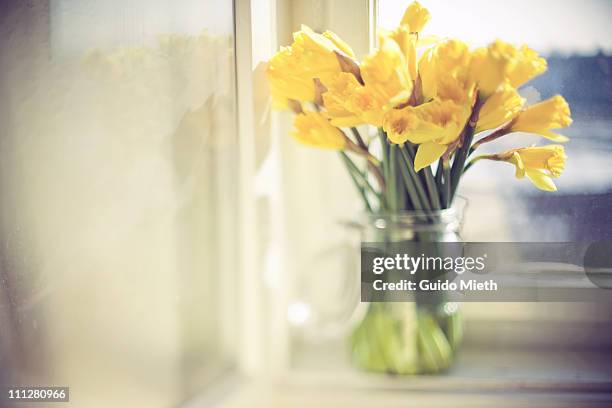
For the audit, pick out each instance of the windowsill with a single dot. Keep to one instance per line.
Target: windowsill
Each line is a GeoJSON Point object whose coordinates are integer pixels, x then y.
{"type": "Point", "coordinates": [479, 378]}
{"type": "Point", "coordinates": [531, 355]}
{"type": "Point", "coordinates": [478, 370]}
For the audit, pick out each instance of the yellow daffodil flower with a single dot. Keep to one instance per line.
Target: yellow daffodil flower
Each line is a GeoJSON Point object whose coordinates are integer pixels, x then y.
{"type": "Point", "coordinates": [500, 62]}
{"type": "Point", "coordinates": [407, 42]}
{"type": "Point", "coordinates": [444, 71]}
{"type": "Point", "coordinates": [386, 83]}
{"type": "Point", "coordinates": [291, 72]}
{"type": "Point", "coordinates": [553, 113]}
{"type": "Point", "coordinates": [488, 67]}
{"type": "Point", "coordinates": [433, 126]}
{"type": "Point", "coordinates": [340, 90]}
{"type": "Point", "coordinates": [385, 72]}
{"type": "Point", "coordinates": [313, 129]}
{"type": "Point", "coordinates": [338, 42]}
{"type": "Point", "coordinates": [528, 65]}
{"type": "Point", "coordinates": [286, 80]}
{"type": "Point", "coordinates": [415, 17]}
{"type": "Point", "coordinates": [500, 108]}
{"type": "Point", "coordinates": [317, 52]}
{"type": "Point", "coordinates": [428, 73]}
{"type": "Point", "coordinates": [539, 164]}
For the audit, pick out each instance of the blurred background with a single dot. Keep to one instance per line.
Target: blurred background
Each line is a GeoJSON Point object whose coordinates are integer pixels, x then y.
{"type": "Point", "coordinates": [118, 154]}
{"type": "Point", "coordinates": [160, 232]}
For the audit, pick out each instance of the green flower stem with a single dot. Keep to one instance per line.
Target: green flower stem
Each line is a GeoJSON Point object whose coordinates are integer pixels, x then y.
{"type": "Point", "coordinates": [400, 342]}
{"type": "Point", "coordinates": [434, 197]}
{"type": "Point", "coordinates": [446, 181]}
{"type": "Point", "coordinates": [455, 330]}
{"type": "Point", "coordinates": [358, 184]}
{"type": "Point", "coordinates": [439, 176]}
{"type": "Point", "coordinates": [428, 180]}
{"type": "Point", "coordinates": [416, 181]}
{"type": "Point", "coordinates": [409, 182]}
{"type": "Point", "coordinates": [394, 194]}
{"type": "Point", "coordinates": [432, 190]}
{"type": "Point", "coordinates": [433, 344]}
{"type": "Point", "coordinates": [462, 154]}
{"type": "Point", "coordinates": [411, 150]}
{"type": "Point", "coordinates": [439, 172]}
{"type": "Point", "coordinates": [361, 149]}
{"type": "Point", "coordinates": [493, 136]}
{"type": "Point", "coordinates": [467, 166]}
{"type": "Point", "coordinates": [409, 155]}
{"type": "Point", "coordinates": [385, 163]}
{"type": "Point", "coordinates": [478, 158]}
{"type": "Point", "coordinates": [358, 138]}
{"type": "Point", "coordinates": [403, 199]}
{"type": "Point", "coordinates": [460, 158]}
{"type": "Point", "coordinates": [360, 179]}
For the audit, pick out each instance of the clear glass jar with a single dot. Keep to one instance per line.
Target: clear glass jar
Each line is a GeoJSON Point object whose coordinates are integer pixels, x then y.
{"type": "Point", "coordinates": [415, 337]}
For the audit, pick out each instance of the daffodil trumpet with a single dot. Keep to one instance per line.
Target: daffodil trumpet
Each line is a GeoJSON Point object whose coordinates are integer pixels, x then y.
{"type": "Point", "coordinates": [540, 164]}
{"type": "Point", "coordinates": [433, 109]}
{"type": "Point", "coordinates": [541, 118]}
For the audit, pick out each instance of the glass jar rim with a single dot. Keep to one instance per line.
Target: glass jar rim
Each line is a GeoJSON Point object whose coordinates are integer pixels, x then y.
{"type": "Point", "coordinates": [449, 217]}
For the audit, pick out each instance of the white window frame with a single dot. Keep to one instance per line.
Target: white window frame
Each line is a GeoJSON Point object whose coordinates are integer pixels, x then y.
{"type": "Point", "coordinates": [262, 26]}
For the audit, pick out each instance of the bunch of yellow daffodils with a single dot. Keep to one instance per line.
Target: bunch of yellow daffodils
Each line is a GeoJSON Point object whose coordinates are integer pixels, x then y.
{"type": "Point", "coordinates": [433, 106]}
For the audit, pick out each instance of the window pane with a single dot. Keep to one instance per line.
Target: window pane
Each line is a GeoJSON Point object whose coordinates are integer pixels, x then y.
{"type": "Point", "coordinates": [117, 175]}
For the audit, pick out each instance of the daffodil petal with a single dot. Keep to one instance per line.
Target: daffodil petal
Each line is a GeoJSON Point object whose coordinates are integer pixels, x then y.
{"type": "Point", "coordinates": [555, 137]}
{"type": "Point", "coordinates": [520, 167]}
{"type": "Point", "coordinates": [428, 40]}
{"type": "Point", "coordinates": [427, 154]}
{"type": "Point", "coordinates": [415, 17]}
{"type": "Point", "coordinates": [541, 180]}
{"type": "Point", "coordinates": [347, 121]}
{"type": "Point", "coordinates": [313, 129]}
{"type": "Point", "coordinates": [425, 134]}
